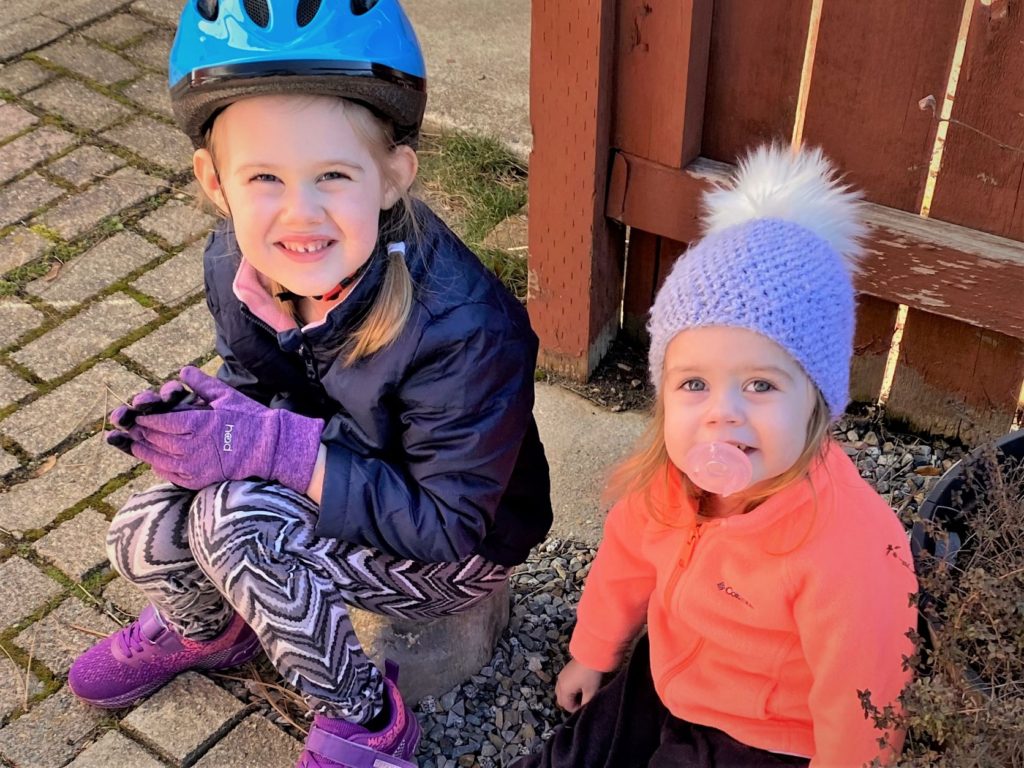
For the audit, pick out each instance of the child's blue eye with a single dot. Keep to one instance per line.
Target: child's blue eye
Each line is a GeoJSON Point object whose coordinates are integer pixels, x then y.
{"type": "Point", "coordinates": [264, 177]}
{"type": "Point", "coordinates": [693, 385]}
{"type": "Point", "coordinates": [335, 176]}
{"type": "Point", "coordinates": [760, 385]}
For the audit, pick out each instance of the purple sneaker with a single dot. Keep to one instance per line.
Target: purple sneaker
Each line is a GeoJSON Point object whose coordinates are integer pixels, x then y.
{"type": "Point", "coordinates": [145, 655]}
{"type": "Point", "coordinates": [334, 743]}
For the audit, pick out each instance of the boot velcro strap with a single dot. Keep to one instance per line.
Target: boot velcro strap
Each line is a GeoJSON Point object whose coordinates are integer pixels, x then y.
{"type": "Point", "coordinates": [326, 744]}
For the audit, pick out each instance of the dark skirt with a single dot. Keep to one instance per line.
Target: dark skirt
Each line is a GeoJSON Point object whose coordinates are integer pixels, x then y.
{"type": "Point", "coordinates": [625, 725]}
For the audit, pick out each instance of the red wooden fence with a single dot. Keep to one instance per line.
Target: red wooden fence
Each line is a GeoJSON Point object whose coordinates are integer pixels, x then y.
{"type": "Point", "coordinates": [638, 105]}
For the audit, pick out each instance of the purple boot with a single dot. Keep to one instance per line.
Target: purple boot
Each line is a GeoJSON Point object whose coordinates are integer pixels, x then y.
{"type": "Point", "coordinates": [334, 743]}
{"type": "Point", "coordinates": [147, 654]}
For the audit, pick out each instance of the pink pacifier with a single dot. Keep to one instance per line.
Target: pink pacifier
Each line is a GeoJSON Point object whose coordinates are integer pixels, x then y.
{"type": "Point", "coordinates": [718, 468]}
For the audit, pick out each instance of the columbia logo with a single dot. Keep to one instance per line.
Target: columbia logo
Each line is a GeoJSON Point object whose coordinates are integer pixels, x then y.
{"type": "Point", "coordinates": [733, 593]}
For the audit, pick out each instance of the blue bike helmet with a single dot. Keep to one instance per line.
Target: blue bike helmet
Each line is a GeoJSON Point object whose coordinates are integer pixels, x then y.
{"type": "Point", "coordinates": [364, 50]}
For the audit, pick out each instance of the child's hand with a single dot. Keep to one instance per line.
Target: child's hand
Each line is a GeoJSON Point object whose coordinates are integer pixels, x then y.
{"type": "Point", "coordinates": [223, 435]}
{"type": "Point", "coordinates": [576, 685]}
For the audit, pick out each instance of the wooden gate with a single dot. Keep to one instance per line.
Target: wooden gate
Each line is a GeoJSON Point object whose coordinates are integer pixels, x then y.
{"type": "Point", "coordinates": [638, 105]}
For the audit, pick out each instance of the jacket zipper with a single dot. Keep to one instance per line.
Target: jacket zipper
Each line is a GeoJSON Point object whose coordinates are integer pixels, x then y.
{"type": "Point", "coordinates": [304, 351]}
{"type": "Point", "coordinates": [684, 559]}
{"type": "Point", "coordinates": [682, 563]}
{"type": "Point", "coordinates": [310, 362]}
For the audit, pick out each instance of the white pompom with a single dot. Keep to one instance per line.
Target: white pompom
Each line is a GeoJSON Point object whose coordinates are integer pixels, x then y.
{"type": "Point", "coordinates": [774, 182]}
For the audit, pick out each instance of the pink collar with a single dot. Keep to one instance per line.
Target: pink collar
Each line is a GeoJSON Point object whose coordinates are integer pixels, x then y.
{"type": "Point", "coordinates": [250, 290]}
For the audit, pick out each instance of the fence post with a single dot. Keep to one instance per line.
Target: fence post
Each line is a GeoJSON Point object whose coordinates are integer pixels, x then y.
{"type": "Point", "coordinates": [575, 253]}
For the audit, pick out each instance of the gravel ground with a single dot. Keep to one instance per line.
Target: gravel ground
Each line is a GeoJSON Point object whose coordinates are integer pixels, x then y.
{"type": "Point", "coordinates": [509, 708]}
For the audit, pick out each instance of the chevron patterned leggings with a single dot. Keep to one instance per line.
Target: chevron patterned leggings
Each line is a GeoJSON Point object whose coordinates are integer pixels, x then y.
{"type": "Point", "coordinates": [248, 547]}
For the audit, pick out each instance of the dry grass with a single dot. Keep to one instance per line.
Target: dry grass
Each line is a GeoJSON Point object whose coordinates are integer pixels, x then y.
{"type": "Point", "coordinates": [965, 709]}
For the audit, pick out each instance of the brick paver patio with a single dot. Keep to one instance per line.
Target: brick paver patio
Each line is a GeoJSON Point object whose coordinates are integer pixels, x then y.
{"type": "Point", "coordinates": [101, 295]}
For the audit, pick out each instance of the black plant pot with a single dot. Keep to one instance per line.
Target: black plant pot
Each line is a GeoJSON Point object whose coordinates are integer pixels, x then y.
{"type": "Point", "coordinates": [950, 501]}
{"type": "Point", "coordinates": [949, 505]}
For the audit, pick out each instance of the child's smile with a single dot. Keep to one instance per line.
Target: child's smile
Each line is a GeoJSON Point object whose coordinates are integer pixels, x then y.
{"type": "Point", "coordinates": [305, 251]}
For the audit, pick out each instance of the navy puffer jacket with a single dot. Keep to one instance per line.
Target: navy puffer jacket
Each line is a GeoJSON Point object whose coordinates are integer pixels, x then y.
{"type": "Point", "coordinates": [432, 450]}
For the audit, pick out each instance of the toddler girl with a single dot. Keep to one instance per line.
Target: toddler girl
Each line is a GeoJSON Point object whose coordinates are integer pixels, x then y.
{"type": "Point", "coordinates": [369, 438]}
{"type": "Point", "coordinates": [773, 580]}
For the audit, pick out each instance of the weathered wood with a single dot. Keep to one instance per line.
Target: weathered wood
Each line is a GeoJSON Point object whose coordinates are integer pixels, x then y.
{"type": "Point", "coordinates": [575, 255]}
{"type": "Point", "coordinates": [876, 321]}
{"type": "Point", "coordinates": [956, 380]}
{"type": "Point", "coordinates": [653, 197]}
{"type": "Point", "coordinates": [757, 51]}
{"type": "Point", "coordinates": [661, 76]}
{"type": "Point", "coordinates": [875, 61]}
{"type": "Point", "coordinates": [981, 184]}
{"type": "Point", "coordinates": [647, 263]}
{"type": "Point", "coordinates": [931, 265]}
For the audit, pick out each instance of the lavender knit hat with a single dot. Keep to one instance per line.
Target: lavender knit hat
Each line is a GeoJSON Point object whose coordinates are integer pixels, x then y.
{"type": "Point", "coordinates": [780, 248]}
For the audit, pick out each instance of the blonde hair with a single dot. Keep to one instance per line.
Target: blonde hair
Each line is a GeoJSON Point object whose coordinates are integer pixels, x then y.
{"type": "Point", "coordinates": [649, 465]}
{"type": "Point", "coordinates": [393, 304]}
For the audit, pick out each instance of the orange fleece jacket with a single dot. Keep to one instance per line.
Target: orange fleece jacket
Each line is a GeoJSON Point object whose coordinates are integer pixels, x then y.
{"type": "Point", "coordinates": [763, 625]}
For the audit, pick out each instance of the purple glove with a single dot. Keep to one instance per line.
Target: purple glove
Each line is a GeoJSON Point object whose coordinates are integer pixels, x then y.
{"type": "Point", "coordinates": [171, 396]}
{"type": "Point", "coordinates": [228, 437]}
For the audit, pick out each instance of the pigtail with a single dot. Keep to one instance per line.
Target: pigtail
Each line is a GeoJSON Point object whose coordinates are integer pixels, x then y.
{"type": "Point", "coordinates": [389, 312]}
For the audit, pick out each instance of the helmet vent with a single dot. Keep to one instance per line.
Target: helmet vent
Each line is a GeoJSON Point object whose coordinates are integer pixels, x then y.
{"type": "Point", "coordinates": [258, 11]}
{"type": "Point", "coordinates": [207, 9]}
{"type": "Point", "coordinates": [359, 7]}
{"type": "Point", "coordinates": [307, 10]}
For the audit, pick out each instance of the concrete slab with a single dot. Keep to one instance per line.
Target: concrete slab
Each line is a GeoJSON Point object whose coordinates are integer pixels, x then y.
{"type": "Point", "coordinates": [24, 589]}
{"type": "Point", "coordinates": [85, 164]}
{"type": "Point", "coordinates": [24, 196]}
{"type": "Point", "coordinates": [82, 401]}
{"type": "Point", "coordinates": [183, 719]}
{"type": "Point", "coordinates": [17, 318]}
{"type": "Point", "coordinates": [27, 150]}
{"type": "Point", "coordinates": [78, 473]}
{"type": "Point", "coordinates": [184, 340]}
{"type": "Point", "coordinates": [78, 546]}
{"type": "Point", "coordinates": [84, 335]}
{"type": "Point", "coordinates": [12, 388]}
{"type": "Point", "coordinates": [96, 269]}
{"type": "Point", "coordinates": [583, 442]}
{"type": "Point", "coordinates": [177, 278]}
{"type": "Point", "coordinates": [120, 190]}
{"type": "Point", "coordinates": [13, 680]}
{"type": "Point", "coordinates": [65, 634]}
{"type": "Point", "coordinates": [253, 742]}
{"type": "Point", "coordinates": [115, 749]}
{"type": "Point", "coordinates": [478, 66]}
{"type": "Point", "coordinates": [21, 742]}
{"type": "Point", "coordinates": [20, 247]}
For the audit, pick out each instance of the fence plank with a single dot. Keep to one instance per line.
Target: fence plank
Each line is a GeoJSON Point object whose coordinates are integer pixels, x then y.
{"type": "Point", "coordinates": [875, 61]}
{"type": "Point", "coordinates": [955, 379]}
{"type": "Point", "coordinates": [661, 76]}
{"type": "Point", "coordinates": [575, 254]}
{"type": "Point", "coordinates": [980, 184]}
{"type": "Point", "coordinates": [932, 265]}
{"type": "Point", "coordinates": [876, 319]}
{"type": "Point", "coordinates": [647, 264]}
{"type": "Point", "coordinates": [757, 51]}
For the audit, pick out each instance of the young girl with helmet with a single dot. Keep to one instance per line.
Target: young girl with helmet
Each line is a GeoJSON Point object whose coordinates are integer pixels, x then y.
{"type": "Point", "coordinates": [773, 580]}
{"type": "Point", "coordinates": [369, 437]}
